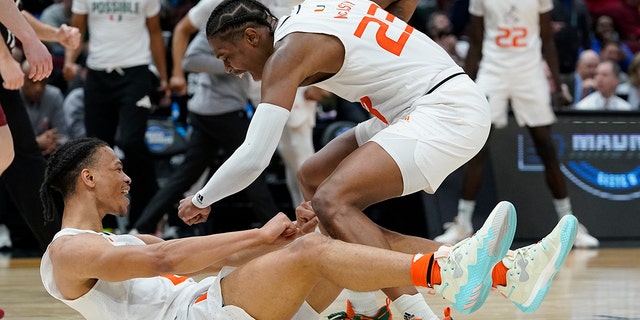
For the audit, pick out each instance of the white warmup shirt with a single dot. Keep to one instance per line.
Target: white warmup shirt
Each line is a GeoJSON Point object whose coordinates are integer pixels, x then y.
{"type": "Point", "coordinates": [119, 37]}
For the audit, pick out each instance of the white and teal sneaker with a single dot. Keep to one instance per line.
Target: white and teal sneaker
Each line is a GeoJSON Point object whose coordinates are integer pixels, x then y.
{"type": "Point", "coordinates": [466, 267]}
{"type": "Point", "coordinates": [532, 268]}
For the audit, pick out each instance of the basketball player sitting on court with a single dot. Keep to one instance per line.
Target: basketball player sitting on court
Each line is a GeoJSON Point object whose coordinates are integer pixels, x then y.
{"type": "Point", "coordinates": [108, 276]}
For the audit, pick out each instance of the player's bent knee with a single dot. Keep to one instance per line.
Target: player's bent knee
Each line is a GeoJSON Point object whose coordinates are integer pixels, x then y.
{"type": "Point", "coordinates": [309, 243]}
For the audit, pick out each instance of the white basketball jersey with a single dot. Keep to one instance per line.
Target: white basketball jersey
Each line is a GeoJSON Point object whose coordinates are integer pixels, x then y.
{"type": "Point", "coordinates": [163, 297]}
{"type": "Point", "coordinates": [387, 64]}
{"type": "Point", "coordinates": [511, 33]}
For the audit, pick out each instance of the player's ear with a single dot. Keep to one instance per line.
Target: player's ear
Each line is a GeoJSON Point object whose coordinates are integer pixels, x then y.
{"type": "Point", "coordinates": [87, 177]}
{"type": "Point", "coordinates": [251, 35]}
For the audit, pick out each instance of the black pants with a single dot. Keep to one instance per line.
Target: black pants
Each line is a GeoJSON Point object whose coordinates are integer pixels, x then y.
{"type": "Point", "coordinates": [117, 107]}
{"type": "Point", "coordinates": [210, 133]}
{"type": "Point", "coordinates": [26, 173]}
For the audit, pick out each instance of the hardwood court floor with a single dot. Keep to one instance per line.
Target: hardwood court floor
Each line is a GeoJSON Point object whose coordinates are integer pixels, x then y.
{"type": "Point", "coordinates": [599, 284]}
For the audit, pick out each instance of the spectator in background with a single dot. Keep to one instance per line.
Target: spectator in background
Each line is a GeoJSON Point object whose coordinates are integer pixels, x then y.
{"type": "Point", "coordinates": [582, 81]}
{"type": "Point", "coordinates": [604, 32]}
{"type": "Point", "coordinates": [630, 90]}
{"type": "Point", "coordinates": [612, 50]}
{"type": "Point", "coordinates": [626, 14]}
{"type": "Point", "coordinates": [44, 106]}
{"type": "Point", "coordinates": [119, 87]}
{"type": "Point", "coordinates": [439, 29]}
{"type": "Point", "coordinates": [604, 98]}
{"type": "Point", "coordinates": [57, 14]}
{"type": "Point", "coordinates": [73, 108]}
{"type": "Point", "coordinates": [571, 25]}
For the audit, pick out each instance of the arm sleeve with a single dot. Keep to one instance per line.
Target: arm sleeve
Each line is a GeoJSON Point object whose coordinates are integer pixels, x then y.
{"type": "Point", "coordinates": [250, 159]}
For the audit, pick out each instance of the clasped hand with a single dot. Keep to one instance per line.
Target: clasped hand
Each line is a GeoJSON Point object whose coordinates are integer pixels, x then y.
{"type": "Point", "coordinates": [306, 220]}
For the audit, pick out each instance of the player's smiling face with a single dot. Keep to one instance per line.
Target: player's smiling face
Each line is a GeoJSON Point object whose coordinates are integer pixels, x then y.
{"type": "Point", "coordinates": [111, 183]}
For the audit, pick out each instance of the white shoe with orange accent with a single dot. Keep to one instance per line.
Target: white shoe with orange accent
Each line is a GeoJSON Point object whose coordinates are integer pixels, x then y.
{"type": "Point", "coordinates": [466, 267]}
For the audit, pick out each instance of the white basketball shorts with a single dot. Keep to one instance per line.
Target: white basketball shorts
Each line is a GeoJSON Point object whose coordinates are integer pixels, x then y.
{"type": "Point", "coordinates": [439, 133]}
{"type": "Point", "coordinates": [529, 93]}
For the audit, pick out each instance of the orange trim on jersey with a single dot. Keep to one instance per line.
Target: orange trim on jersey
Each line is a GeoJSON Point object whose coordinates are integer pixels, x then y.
{"type": "Point", "coordinates": [201, 298]}
{"type": "Point", "coordinates": [175, 279]}
{"type": "Point", "coordinates": [368, 105]}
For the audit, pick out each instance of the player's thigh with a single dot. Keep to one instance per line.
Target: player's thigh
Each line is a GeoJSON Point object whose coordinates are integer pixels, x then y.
{"type": "Point", "coordinates": [366, 176]}
{"type": "Point", "coordinates": [531, 101]}
{"type": "Point", "coordinates": [275, 285]}
{"type": "Point", "coordinates": [497, 92]}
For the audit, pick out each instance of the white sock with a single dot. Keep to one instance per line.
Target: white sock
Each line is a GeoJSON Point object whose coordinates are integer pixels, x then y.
{"type": "Point", "coordinates": [364, 303]}
{"type": "Point", "coordinates": [465, 210]}
{"type": "Point", "coordinates": [563, 207]}
{"type": "Point", "coordinates": [413, 306]}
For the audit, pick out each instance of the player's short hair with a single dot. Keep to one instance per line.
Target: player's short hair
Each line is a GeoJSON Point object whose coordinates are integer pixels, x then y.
{"type": "Point", "coordinates": [229, 19]}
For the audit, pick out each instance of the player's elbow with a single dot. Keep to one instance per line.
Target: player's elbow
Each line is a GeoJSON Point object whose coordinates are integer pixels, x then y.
{"type": "Point", "coordinates": [165, 259]}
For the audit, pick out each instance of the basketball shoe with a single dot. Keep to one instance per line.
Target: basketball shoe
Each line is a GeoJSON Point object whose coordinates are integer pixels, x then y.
{"type": "Point", "coordinates": [584, 239]}
{"type": "Point", "coordinates": [532, 268]}
{"type": "Point", "coordinates": [384, 313]}
{"type": "Point", "coordinates": [465, 268]}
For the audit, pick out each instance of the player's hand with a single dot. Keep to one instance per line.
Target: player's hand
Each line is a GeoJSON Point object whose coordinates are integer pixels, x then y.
{"type": "Point", "coordinates": [11, 73]}
{"type": "Point", "coordinates": [69, 37]}
{"type": "Point", "coordinates": [306, 219]}
{"type": "Point", "coordinates": [279, 229]}
{"type": "Point", "coordinates": [39, 59]}
{"type": "Point", "coordinates": [48, 141]}
{"type": "Point", "coordinates": [178, 85]}
{"type": "Point", "coordinates": [191, 214]}
{"type": "Point", "coordinates": [165, 94]}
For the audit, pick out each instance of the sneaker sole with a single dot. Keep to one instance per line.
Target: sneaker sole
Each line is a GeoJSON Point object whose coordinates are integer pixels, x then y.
{"type": "Point", "coordinates": [494, 248]}
{"type": "Point", "coordinates": [567, 236]}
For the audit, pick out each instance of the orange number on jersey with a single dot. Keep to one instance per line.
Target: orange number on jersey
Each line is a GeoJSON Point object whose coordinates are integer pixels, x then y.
{"type": "Point", "coordinates": [511, 37]}
{"type": "Point", "coordinates": [383, 40]}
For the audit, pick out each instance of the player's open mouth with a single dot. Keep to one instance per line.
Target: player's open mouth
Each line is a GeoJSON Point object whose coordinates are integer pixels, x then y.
{"type": "Point", "coordinates": [238, 73]}
{"type": "Point", "coordinates": [125, 191]}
